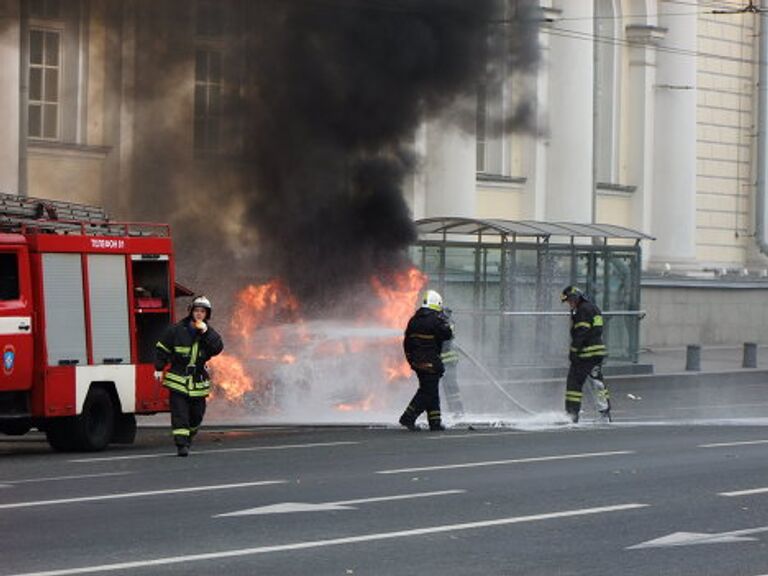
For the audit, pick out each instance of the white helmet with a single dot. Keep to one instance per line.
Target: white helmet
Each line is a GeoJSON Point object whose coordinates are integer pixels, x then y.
{"type": "Point", "coordinates": [202, 302]}
{"type": "Point", "coordinates": [432, 300]}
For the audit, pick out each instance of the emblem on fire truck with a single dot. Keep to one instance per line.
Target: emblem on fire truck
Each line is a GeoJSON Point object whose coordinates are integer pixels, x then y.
{"type": "Point", "coordinates": [9, 358]}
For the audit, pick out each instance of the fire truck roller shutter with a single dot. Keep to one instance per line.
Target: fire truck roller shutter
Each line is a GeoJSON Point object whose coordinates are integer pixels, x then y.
{"type": "Point", "coordinates": [108, 294]}
{"type": "Point", "coordinates": [122, 376]}
{"type": "Point", "coordinates": [64, 309]}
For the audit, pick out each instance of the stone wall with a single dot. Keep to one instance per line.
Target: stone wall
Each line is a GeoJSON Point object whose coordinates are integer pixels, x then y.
{"type": "Point", "coordinates": [709, 316]}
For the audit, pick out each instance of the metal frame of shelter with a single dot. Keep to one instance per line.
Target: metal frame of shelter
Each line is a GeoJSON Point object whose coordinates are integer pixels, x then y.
{"type": "Point", "coordinates": [508, 274]}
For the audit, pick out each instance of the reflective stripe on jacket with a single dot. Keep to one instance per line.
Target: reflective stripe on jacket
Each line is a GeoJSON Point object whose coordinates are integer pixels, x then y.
{"type": "Point", "coordinates": [187, 351]}
{"type": "Point", "coordinates": [587, 331]}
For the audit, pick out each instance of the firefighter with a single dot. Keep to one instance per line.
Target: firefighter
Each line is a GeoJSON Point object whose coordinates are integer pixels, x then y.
{"type": "Point", "coordinates": [450, 358]}
{"type": "Point", "coordinates": [185, 348]}
{"type": "Point", "coordinates": [427, 330]}
{"type": "Point", "coordinates": [586, 355]}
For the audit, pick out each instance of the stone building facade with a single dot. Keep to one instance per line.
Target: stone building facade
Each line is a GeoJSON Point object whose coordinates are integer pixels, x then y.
{"type": "Point", "coordinates": [648, 115]}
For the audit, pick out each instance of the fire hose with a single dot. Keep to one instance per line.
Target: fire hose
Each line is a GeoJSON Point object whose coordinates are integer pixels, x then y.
{"type": "Point", "coordinates": [490, 378]}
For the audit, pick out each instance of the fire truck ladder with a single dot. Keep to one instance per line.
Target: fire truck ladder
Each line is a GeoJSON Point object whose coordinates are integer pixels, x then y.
{"type": "Point", "coordinates": [37, 215]}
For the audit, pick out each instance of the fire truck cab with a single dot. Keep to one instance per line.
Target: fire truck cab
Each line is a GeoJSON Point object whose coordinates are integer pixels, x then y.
{"type": "Point", "coordinates": [83, 300]}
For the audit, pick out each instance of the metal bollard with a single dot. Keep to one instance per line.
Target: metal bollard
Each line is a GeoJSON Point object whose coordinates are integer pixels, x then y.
{"type": "Point", "coordinates": [750, 355]}
{"type": "Point", "coordinates": [693, 358]}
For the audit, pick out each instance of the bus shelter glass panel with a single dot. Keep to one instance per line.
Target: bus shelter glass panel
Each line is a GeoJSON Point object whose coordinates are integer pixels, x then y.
{"type": "Point", "coordinates": [429, 260]}
{"type": "Point", "coordinates": [487, 329]}
{"type": "Point", "coordinates": [607, 278]}
{"type": "Point", "coordinates": [547, 325]}
{"type": "Point", "coordinates": [622, 296]}
{"type": "Point", "coordinates": [522, 277]}
{"type": "Point", "coordinates": [460, 291]}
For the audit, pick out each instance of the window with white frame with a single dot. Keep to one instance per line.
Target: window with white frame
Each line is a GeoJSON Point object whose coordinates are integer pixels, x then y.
{"type": "Point", "coordinates": [208, 88]}
{"type": "Point", "coordinates": [44, 79]}
{"type": "Point", "coordinates": [480, 129]}
{"type": "Point", "coordinates": [489, 133]}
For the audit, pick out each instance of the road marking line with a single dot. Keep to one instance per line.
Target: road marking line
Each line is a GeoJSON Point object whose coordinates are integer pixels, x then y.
{"type": "Point", "coordinates": [217, 451]}
{"type": "Point", "coordinates": [402, 497]}
{"type": "Point", "coordinates": [139, 494]}
{"type": "Point", "coordinates": [476, 435]}
{"type": "Point", "coordinates": [213, 428]}
{"type": "Point", "coordinates": [55, 478]}
{"type": "Point", "coordinates": [727, 444]}
{"type": "Point", "coordinates": [744, 492]}
{"type": "Point", "coordinates": [698, 538]}
{"type": "Point", "coordinates": [137, 564]}
{"type": "Point", "coordinates": [503, 462]}
{"type": "Point", "coordinates": [292, 507]}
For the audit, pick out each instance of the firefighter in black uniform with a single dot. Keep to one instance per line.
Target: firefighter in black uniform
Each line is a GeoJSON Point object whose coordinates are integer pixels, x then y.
{"type": "Point", "coordinates": [186, 347]}
{"type": "Point", "coordinates": [423, 343]}
{"type": "Point", "coordinates": [586, 355]}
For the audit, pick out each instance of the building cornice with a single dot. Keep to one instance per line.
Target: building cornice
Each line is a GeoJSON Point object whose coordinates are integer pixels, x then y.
{"type": "Point", "coordinates": [550, 15]}
{"type": "Point", "coordinates": [42, 148]}
{"type": "Point", "coordinates": [645, 34]}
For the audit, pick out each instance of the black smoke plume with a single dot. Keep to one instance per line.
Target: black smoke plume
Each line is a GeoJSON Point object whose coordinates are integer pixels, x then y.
{"type": "Point", "coordinates": [316, 126]}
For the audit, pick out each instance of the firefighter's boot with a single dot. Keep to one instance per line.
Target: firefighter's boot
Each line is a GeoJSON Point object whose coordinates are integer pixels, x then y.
{"type": "Point", "coordinates": [406, 421]}
{"type": "Point", "coordinates": [182, 451]}
{"type": "Point", "coordinates": [605, 415]}
{"type": "Point", "coordinates": [435, 421]}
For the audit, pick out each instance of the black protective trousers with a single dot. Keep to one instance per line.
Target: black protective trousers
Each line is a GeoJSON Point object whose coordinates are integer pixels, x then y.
{"type": "Point", "coordinates": [186, 416]}
{"type": "Point", "coordinates": [427, 398]}
{"type": "Point", "coordinates": [580, 369]}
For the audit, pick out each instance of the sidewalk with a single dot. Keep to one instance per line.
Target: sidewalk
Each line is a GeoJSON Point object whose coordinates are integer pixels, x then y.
{"type": "Point", "coordinates": [713, 359]}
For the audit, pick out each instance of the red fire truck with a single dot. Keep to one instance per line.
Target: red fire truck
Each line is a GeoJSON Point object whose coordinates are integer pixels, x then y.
{"type": "Point", "coordinates": [83, 300]}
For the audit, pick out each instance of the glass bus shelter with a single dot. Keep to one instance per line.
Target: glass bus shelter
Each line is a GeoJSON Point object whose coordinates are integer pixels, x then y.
{"type": "Point", "coordinates": [502, 279]}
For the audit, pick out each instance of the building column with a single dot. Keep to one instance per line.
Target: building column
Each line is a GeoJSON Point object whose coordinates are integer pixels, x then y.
{"type": "Point", "coordinates": [569, 178]}
{"type": "Point", "coordinates": [10, 78]}
{"type": "Point", "coordinates": [450, 177]}
{"type": "Point", "coordinates": [673, 205]}
{"type": "Point", "coordinates": [643, 39]}
{"type": "Point", "coordinates": [122, 112]}
{"type": "Point", "coordinates": [535, 148]}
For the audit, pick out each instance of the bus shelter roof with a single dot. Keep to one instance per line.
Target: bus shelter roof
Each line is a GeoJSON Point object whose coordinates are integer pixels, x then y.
{"type": "Point", "coordinates": [525, 228]}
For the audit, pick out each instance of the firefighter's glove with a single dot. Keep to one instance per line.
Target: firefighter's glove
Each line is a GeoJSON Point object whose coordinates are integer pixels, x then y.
{"type": "Point", "coordinates": [158, 375]}
{"type": "Point", "coordinates": [201, 326]}
{"type": "Point", "coordinates": [572, 356]}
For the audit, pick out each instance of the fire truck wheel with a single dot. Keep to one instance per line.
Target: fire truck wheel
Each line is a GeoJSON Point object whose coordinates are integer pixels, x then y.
{"type": "Point", "coordinates": [95, 426]}
{"type": "Point", "coordinates": [125, 429]}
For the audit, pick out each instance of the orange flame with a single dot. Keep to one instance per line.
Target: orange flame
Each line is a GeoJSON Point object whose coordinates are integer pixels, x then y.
{"type": "Point", "coordinates": [262, 305]}
{"type": "Point", "coordinates": [230, 376]}
{"type": "Point", "coordinates": [398, 303]}
{"type": "Point", "coordinates": [270, 329]}
{"type": "Point", "coordinates": [396, 369]}
{"type": "Point", "coordinates": [363, 405]}
{"type": "Point", "coordinates": [399, 300]}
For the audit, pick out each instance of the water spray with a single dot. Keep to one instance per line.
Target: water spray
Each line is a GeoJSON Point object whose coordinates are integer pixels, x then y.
{"type": "Point", "coordinates": [491, 378]}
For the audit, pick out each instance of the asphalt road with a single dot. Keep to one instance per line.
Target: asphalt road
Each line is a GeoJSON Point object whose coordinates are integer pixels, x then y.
{"type": "Point", "coordinates": [568, 500]}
